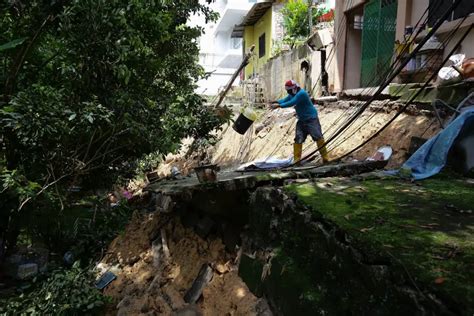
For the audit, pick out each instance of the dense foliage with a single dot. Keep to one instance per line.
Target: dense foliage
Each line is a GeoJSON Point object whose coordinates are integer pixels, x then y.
{"type": "Point", "coordinates": [86, 87]}
{"type": "Point", "coordinates": [296, 20]}
{"type": "Point", "coordinates": [65, 292]}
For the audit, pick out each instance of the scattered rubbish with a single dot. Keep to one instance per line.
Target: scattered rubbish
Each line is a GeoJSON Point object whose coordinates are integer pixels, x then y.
{"type": "Point", "coordinates": [164, 243]}
{"type": "Point", "coordinates": [267, 164]}
{"type": "Point", "coordinates": [101, 268]}
{"type": "Point", "coordinates": [244, 121]}
{"type": "Point", "coordinates": [175, 172]}
{"type": "Point", "coordinates": [383, 154]}
{"type": "Point", "coordinates": [204, 277]}
{"type": "Point", "coordinates": [453, 72]}
{"type": "Point", "coordinates": [222, 268]}
{"type": "Point", "coordinates": [68, 258]}
{"type": "Point", "coordinates": [367, 229]}
{"type": "Point", "coordinates": [74, 188]}
{"type": "Point", "coordinates": [152, 176]}
{"type": "Point", "coordinates": [27, 271]}
{"type": "Point", "coordinates": [105, 280]}
{"type": "Point", "coordinates": [113, 200]}
{"type": "Point", "coordinates": [468, 69]}
{"type": "Point", "coordinates": [26, 263]}
{"type": "Point", "coordinates": [207, 173]}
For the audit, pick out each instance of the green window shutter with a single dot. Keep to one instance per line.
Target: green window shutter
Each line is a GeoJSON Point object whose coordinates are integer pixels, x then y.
{"type": "Point", "coordinates": [378, 40]}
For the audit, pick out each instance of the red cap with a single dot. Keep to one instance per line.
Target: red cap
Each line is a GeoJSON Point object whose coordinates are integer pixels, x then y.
{"type": "Point", "coordinates": [290, 84]}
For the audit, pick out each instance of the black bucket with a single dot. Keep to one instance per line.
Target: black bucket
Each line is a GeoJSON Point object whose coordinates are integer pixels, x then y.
{"type": "Point", "coordinates": [242, 124]}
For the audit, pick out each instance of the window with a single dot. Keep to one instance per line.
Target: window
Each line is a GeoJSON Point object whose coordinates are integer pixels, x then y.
{"type": "Point", "coordinates": [236, 43]}
{"type": "Point", "coordinates": [437, 8]}
{"type": "Point", "coordinates": [261, 46]}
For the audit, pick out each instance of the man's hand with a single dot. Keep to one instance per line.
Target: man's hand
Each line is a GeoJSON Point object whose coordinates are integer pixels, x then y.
{"type": "Point", "coordinates": [274, 105]}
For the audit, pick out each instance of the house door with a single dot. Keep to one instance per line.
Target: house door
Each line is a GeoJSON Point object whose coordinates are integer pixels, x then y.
{"type": "Point", "coordinates": [378, 40]}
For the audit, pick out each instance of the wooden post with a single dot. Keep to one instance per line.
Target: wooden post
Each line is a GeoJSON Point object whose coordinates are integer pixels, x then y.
{"type": "Point", "coordinates": [244, 63]}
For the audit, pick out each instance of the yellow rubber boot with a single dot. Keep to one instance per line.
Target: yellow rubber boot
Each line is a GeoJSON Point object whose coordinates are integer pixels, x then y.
{"type": "Point", "coordinates": [297, 152]}
{"type": "Point", "coordinates": [322, 150]}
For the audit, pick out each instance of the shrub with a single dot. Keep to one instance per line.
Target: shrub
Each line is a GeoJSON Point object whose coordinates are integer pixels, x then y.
{"type": "Point", "coordinates": [65, 292]}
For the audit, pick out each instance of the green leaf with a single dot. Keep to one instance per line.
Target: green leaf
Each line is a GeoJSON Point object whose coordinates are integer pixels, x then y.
{"type": "Point", "coordinates": [12, 44]}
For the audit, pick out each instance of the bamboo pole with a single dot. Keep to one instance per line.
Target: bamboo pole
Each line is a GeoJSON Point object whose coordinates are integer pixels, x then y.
{"type": "Point", "coordinates": [244, 63]}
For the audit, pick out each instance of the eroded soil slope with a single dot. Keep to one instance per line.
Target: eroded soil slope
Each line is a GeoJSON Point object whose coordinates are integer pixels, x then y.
{"type": "Point", "coordinates": [156, 261]}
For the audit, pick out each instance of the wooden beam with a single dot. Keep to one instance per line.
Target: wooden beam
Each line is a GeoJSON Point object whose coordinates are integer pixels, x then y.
{"type": "Point", "coordinates": [244, 63]}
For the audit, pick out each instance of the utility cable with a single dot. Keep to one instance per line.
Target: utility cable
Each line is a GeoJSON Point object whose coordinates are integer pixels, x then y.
{"type": "Point", "coordinates": [388, 70]}
{"type": "Point", "coordinates": [444, 42]}
{"type": "Point", "coordinates": [458, 44]}
{"type": "Point", "coordinates": [392, 76]}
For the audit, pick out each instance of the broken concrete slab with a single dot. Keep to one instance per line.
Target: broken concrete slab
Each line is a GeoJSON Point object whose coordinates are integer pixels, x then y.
{"type": "Point", "coordinates": [203, 278]}
{"type": "Point", "coordinates": [163, 203]}
{"type": "Point", "coordinates": [232, 180]}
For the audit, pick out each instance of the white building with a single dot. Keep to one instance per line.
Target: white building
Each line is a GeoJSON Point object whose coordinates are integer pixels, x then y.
{"type": "Point", "coordinates": [220, 52]}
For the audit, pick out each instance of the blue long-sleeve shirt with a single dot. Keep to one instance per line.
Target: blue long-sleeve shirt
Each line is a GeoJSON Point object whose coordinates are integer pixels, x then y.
{"type": "Point", "coordinates": [304, 108]}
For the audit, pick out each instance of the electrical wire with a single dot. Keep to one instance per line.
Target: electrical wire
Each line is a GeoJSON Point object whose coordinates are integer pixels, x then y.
{"type": "Point", "coordinates": [444, 42]}
{"type": "Point", "coordinates": [391, 77]}
{"type": "Point", "coordinates": [422, 20]}
{"type": "Point", "coordinates": [458, 44]}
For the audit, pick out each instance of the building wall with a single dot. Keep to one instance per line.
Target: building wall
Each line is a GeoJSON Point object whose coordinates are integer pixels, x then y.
{"type": "Point", "coordinates": [278, 30]}
{"type": "Point", "coordinates": [352, 75]}
{"type": "Point", "coordinates": [248, 42]}
{"type": "Point", "coordinates": [288, 66]}
{"type": "Point", "coordinates": [348, 45]}
{"type": "Point", "coordinates": [347, 69]}
{"type": "Point", "coordinates": [416, 8]}
{"type": "Point", "coordinates": [216, 52]}
{"type": "Point", "coordinates": [340, 32]}
{"type": "Point", "coordinates": [251, 36]}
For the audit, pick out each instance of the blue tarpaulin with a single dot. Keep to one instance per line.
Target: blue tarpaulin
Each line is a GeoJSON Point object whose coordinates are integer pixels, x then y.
{"type": "Point", "coordinates": [431, 157]}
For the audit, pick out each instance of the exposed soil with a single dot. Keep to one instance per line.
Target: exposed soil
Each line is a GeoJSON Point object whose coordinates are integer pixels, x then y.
{"type": "Point", "coordinates": [273, 133]}
{"type": "Point", "coordinates": [152, 282]}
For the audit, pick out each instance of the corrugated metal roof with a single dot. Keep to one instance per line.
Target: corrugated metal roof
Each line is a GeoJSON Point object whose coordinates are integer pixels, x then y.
{"type": "Point", "coordinates": [254, 14]}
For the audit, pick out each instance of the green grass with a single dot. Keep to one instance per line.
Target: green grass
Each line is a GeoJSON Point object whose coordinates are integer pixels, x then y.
{"type": "Point", "coordinates": [425, 227]}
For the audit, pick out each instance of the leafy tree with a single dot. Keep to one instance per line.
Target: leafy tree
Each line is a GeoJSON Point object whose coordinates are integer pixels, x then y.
{"type": "Point", "coordinates": [295, 20]}
{"type": "Point", "coordinates": [87, 86]}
